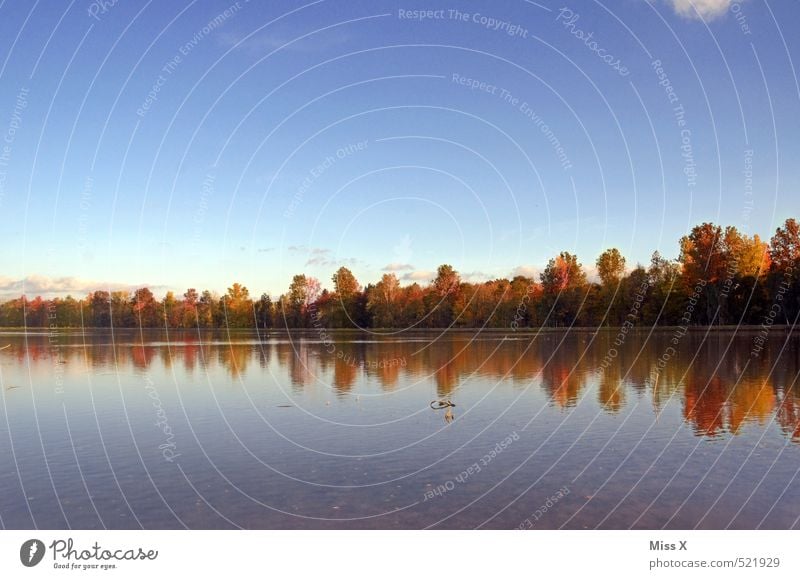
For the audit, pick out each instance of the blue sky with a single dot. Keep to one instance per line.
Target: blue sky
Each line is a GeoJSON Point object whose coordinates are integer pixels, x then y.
{"type": "Point", "coordinates": [196, 144]}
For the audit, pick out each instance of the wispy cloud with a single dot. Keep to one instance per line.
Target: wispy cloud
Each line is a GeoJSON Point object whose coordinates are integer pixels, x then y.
{"type": "Point", "coordinates": [397, 267]}
{"type": "Point", "coordinates": [321, 257]}
{"type": "Point", "coordinates": [267, 41]}
{"type": "Point", "coordinates": [402, 252]}
{"type": "Point", "coordinates": [313, 251]}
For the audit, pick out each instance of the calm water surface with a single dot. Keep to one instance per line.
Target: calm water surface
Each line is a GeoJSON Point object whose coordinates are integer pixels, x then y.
{"type": "Point", "coordinates": [556, 430]}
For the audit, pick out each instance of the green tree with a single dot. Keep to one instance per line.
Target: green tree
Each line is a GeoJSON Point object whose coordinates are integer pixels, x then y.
{"type": "Point", "coordinates": [121, 309]}
{"type": "Point", "coordinates": [171, 310]}
{"type": "Point", "coordinates": [100, 306]}
{"type": "Point", "coordinates": [263, 312]}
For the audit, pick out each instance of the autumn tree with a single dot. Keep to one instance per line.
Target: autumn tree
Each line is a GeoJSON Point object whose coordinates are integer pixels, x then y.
{"type": "Point", "coordinates": [563, 272]}
{"type": "Point", "coordinates": [784, 278]}
{"type": "Point", "coordinates": [189, 317]}
{"type": "Point", "coordinates": [237, 307]}
{"type": "Point", "coordinates": [382, 301]}
{"type": "Point", "coordinates": [702, 255]}
{"type": "Point", "coordinates": [298, 305]}
{"type": "Point", "coordinates": [562, 281]}
{"type": "Point", "coordinates": [785, 247]}
{"type": "Point", "coordinates": [441, 300]}
{"type": "Point", "coordinates": [207, 310]}
{"type": "Point", "coordinates": [610, 270]}
{"type": "Point", "coordinates": [145, 309]}
{"type": "Point", "coordinates": [704, 268]}
{"type": "Point", "coordinates": [737, 279]}
{"type": "Point", "coordinates": [345, 303]}
{"type": "Point", "coordinates": [610, 267]}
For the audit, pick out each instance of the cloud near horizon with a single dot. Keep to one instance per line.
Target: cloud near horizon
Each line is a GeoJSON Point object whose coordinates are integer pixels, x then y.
{"type": "Point", "coordinates": [40, 285]}
{"type": "Point", "coordinates": [475, 277]}
{"type": "Point", "coordinates": [420, 275]}
{"type": "Point", "coordinates": [524, 271]}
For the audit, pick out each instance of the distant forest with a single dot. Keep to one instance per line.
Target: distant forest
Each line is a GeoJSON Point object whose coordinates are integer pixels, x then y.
{"type": "Point", "coordinates": [722, 276]}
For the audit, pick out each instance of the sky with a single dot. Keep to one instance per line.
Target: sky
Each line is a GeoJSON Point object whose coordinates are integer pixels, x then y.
{"type": "Point", "coordinates": [197, 144]}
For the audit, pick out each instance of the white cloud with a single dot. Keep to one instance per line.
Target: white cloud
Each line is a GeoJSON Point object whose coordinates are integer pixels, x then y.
{"type": "Point", "coordinates": [706, 9]}
{"type": "Point", "coordinates": [419, 275]}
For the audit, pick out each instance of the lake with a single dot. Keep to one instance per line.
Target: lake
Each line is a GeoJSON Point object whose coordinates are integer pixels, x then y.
{"type": "Point", "coordinates": [542, 430]}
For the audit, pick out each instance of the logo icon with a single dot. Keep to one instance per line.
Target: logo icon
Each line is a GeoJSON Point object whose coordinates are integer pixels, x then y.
{"type": "Point", "coordinates": [32, 552]}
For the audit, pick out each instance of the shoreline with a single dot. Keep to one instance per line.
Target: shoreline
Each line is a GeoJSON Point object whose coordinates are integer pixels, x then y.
{"type": "Point", "coordinates": [395, 331]}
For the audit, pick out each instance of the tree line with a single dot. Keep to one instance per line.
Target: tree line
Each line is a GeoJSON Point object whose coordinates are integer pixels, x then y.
{"type": "Point", "coordinates": [721, 276]}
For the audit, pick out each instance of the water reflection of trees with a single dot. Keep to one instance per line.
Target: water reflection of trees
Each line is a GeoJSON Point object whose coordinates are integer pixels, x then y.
{"type": "Point", "coordinates": [719, 385]}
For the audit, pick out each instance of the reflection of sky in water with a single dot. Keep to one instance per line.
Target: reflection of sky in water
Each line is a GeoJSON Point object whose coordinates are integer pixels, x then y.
{"type": "Point", "coordinates": [286, 433]}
